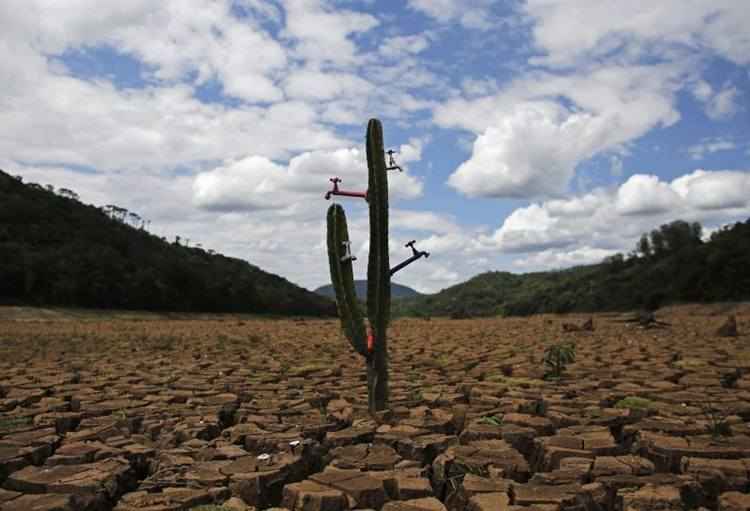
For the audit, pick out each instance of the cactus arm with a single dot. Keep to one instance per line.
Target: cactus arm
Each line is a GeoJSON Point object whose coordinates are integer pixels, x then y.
{"type": "Point", "coordinates": [378, 268]}
{"type": "Point", "coordinates": [342, 278]}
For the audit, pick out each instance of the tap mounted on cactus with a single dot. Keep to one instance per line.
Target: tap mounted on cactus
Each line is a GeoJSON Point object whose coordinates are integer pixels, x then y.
{"type": "Point", "coordinates": [371, 343]}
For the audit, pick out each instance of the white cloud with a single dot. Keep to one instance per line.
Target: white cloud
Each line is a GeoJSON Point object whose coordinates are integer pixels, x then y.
{"type": "Point", "coordinates": [472, 14]}
{"type": "Point", "coordinates": [256, 182]}
{"type": "Point", "coordinates": [645, 195]}
{"type": "Point", "coordinates": [401, 46]}
{"type": "Point", "coordinates": [723, 104]}
{"type": "Point", "coordinates": [710, 146]}
{"type": "Point", "coordinates": [532, 151]}
{"type": "Point", "coordinates": [325, 85]}
{"type": "Point", "coordinates": [629, 31]}
{"type": "Point", "coordinates": [176, 40]}
{"type": "Point", "coordinates": [422, 221]}
{"type": "Point", "coordinates": [562, 259]}
{"type": "Point", "coordinates": [322, 34]}
{"type": "Point", "coordinates": [529, 145]}
{"type": "Point", "coordinates": [531, 229]}
{"type": "Point", "coordinates": [534, 132]}
{"type": "Point", "coordinates": [718, 105]}
{"type": "Point", "coordinates": [702, 90]}
{"type": "Point", "coordinates": [590, 222]}
{"type": "Point", "coordinates": [714, 190]}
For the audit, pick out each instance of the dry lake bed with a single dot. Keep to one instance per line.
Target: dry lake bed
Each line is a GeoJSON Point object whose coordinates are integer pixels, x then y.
{"type": "Point", "coordinates": [147, 412]}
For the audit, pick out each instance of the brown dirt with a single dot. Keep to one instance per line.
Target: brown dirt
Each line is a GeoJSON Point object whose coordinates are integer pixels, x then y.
{"type": "Point", "coordinates": [132, 411]}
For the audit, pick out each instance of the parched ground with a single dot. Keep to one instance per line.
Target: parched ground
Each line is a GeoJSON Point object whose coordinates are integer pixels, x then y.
{"type": "Point", "coordinates": [133, 412]}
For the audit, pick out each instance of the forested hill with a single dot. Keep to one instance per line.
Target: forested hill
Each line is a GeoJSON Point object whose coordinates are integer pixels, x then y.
{"type": "Point", "coordinates": [671, 264]}
{"type": "Point", "coordinates": [54, 250]}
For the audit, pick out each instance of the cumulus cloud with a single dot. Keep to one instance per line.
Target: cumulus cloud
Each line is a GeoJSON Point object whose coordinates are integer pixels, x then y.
{"type": "Point", "coordinates": [590, 222]}
{"type": "Point", "coordinates": [597, 90]}
{"type": "Point", "coordinates": [255, 182]}
{"type": "Point", "coordinates": [645, 195]}
{"type": "Point", "coordinates": [532, 228]}
{"type": "Point", "coordinates": [716, 190]}
{"type": "Point", "coordinates": [176, 41]}
{"type": "Point", "coordinates": [633, 30]}
{"type": "Point", "coordinates": [322, 34]}
{"type": "Point", "coordinates": [529, 145]}
{"type": "Point", "coordinates": [324, 85]}
{"type": "Point", "coordinates": [532, 151]}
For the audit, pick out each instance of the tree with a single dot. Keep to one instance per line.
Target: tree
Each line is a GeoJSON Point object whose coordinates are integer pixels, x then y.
{"type": "Point", "coordinates": [614, 263]}
{"type": "Point", "coordinates": [644, 247]}
{"type": "Point", "coordinates": [658, 243]}
{"type": "Point", "coordinates": [67, 193]}
{"type": "Point", "coordinates": [135, 218]}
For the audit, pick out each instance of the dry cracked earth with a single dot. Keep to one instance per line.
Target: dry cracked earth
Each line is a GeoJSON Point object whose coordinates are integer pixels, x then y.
{"type": "Point", "coordinates": [147, 413]}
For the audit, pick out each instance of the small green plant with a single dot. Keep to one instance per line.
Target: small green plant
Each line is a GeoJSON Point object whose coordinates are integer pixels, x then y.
{"type": "Point", "coordinates": [634, 403]}
{"type": "Point", "coordinates": [415, 395]}
{"type": "Point", "coordinates": [120, 415]}
{"type": "Point", "coordinates": [716, 419]}
{"type": "Point", "coordinates": [490, 421]}
{"type": "Point", "coordinates": [557, 357]}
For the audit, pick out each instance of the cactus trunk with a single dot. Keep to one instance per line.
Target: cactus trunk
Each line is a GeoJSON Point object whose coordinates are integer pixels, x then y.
{"type": "Point", "coordinates": [378, 267]}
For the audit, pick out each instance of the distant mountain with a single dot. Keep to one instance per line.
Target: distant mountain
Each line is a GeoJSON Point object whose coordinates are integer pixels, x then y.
{"type": "Point", "coordinates": [55, 250]}
{"type": "Point", "coordinates": [397, 290]}
{"type": "Point", "coordinates": [671, 264]}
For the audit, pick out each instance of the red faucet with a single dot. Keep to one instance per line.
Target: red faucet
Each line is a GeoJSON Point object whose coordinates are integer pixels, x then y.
{"type": "Point", "coordinates": [335, 191]}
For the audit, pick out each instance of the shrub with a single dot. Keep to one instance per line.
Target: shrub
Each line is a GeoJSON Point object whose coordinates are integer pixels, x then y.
{"type": "Point", "coordinates": [634, 403]}
{"type": "Point", "coordinates": [557, 357]}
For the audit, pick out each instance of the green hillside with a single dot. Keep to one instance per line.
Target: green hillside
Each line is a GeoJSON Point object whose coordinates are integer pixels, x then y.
{"type": "Point", "coordinates": [671, 264]}
{"type": "Point", "coordinates": [54, 250]}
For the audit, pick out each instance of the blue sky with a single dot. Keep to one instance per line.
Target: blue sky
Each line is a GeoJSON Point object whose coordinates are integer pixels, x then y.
{"type": "Point", "coordinates": [536, 134]}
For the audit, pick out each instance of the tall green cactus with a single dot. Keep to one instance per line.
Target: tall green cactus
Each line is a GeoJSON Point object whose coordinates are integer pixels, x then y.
{"type": "Point", "coordinates": [378, 265]}
{"type": "Point", "coordinates": [374, 347]}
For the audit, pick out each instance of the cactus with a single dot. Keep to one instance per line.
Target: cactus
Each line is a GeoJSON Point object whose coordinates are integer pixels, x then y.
{"type": "Point", "coordinates": [373, 347]}
{"type": "Point", "coordinates": [378, 265]}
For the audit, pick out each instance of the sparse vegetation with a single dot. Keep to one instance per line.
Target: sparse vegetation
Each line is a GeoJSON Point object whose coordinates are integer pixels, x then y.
{"type": "Point", "coordinates": [490, 421]}
{"type": "Point", "coordinates": [634, 403]}
{"type": "Point", "coordinates": [557, 357]}
{"type": "Point", "coordinates": [716, 419]}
